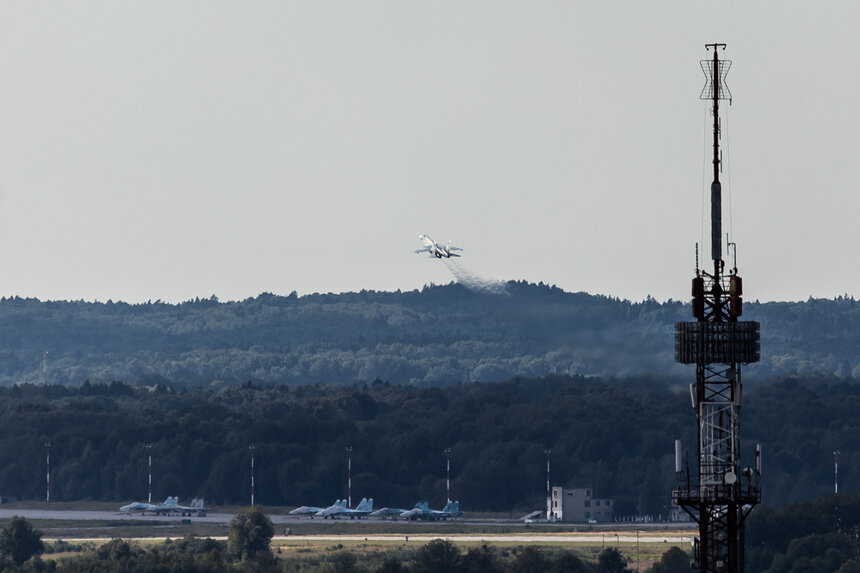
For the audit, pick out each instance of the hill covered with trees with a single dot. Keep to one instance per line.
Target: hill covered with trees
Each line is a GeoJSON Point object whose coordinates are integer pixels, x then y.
{"type": "Point", "coordinates": [615, 435]}
{"type": "Point", "coordinates": [441, 334]}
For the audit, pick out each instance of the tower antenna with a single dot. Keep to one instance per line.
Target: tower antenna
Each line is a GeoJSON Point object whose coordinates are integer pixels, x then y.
{"type": "Point", "coordinates": [720, 497]}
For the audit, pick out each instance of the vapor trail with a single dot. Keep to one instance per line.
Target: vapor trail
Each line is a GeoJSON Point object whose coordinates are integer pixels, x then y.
{"type": "Point", "coordinates": [472, 281]}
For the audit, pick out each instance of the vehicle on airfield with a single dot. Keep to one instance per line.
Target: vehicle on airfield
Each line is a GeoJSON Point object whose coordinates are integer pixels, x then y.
{"type": "Point", "coordinates": [436, 250]}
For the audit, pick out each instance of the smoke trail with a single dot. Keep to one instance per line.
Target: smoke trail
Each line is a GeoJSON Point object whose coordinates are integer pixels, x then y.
{"type": "Point", "coordinates": [474, 282]}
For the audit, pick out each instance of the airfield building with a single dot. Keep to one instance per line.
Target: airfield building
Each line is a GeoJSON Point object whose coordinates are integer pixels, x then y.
{"type": "Point", "coordinates": [579, 505]}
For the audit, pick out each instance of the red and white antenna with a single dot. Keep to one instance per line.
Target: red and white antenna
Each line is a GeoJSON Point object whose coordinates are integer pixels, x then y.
{"type": "Point", "coordinates": [48, 474]}
{"type": "Point", "coordinates": [447, 452]}
{"type": "Point", "coordinates": [548, 453]}
{"type": "Point", "coordinates": [835, 471]}
{"type": "Point", "coordinates": [149, 477]}
{"type": "Point", "coordinates": [349, 476]}
{"type": "Point", "coordinates": [252, 448]}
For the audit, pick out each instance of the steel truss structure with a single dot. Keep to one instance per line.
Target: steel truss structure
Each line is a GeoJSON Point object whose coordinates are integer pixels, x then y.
{"type": "Point", "coordinates": [721, 494]}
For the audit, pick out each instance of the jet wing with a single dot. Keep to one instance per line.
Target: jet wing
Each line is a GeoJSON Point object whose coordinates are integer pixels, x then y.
{"type": "Point", "coordinates": [387, 512]}
{"type": "Point", "coordinates": [305, 510]}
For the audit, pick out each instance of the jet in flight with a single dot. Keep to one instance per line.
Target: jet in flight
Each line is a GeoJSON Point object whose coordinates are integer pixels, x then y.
{"type": "Point", "coordinates": [437, 250]}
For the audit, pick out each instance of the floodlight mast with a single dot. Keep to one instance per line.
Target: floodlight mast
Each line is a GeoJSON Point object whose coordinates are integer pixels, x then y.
{"type": "Point", "coordinates": [548, 452]}
{"type": "Point", "coordinates": [48, 472]}
{"type": "Point", "coordinates": [717, 343]}
{"type": "Point", "coordinates": [447, 452]}
{"type": "Point", "coordinates": [349, 477]}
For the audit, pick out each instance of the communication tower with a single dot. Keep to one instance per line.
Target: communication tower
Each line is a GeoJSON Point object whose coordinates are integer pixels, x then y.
{"type": "Point", "coordinates": [720, 495]}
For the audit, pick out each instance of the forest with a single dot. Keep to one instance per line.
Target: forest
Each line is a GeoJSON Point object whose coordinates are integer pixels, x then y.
{"type": "Point", "coordinates": [436, 335]}
{"type": "Point", "coordinates": [614, 434]}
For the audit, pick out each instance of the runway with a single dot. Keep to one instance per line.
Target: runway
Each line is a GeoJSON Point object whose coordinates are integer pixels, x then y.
{"type": "Point", "coordinates": [509, 538]}
{"type": "Point", "coordinates": [79, 515]}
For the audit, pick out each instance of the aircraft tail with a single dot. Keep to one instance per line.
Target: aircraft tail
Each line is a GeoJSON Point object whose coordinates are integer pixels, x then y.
{"type": "Point", "coordinates": [197, 503]}
{"type": "Point", "coordinates": [362, 505]}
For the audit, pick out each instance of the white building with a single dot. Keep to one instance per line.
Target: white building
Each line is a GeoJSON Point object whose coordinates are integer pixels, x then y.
{"type": "Point", "coordinates": [580, 505]}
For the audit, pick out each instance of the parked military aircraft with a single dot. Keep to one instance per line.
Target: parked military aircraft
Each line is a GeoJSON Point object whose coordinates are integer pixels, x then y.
{"type": "Point", "coordinates": [423, 511]}
{"type": "Point", "coordinates": [167, 507]}
{"type": "Point", "coordinates": [436, 250]}
{"type": "Point", "coordinates": [311, 510]}
{"type": "Point", "coordinates": [140, 506]}
{"type": "Point", "coordinates": [365, 506]}
{"type": "Point", "coordinates": [391, 512]}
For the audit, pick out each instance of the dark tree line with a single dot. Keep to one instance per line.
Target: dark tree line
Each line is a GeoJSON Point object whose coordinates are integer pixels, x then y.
{"type": "Point", "coordinates": [614, 435]}
{"type": "Point", "coordinates": [820, 536]}
{"type": "Point", "coordinates": [442, 334]}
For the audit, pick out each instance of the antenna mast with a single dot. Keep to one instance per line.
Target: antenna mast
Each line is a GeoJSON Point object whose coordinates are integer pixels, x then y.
{"type": "Point", "coordinates": [717, 497]}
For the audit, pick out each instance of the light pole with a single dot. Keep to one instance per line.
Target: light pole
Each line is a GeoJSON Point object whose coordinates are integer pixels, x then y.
{"type": "Point", "coordinates": [447, 452]}
{"type": "Point", "coordinates": [349, 476]}
{"type": "Point", "coordinates": [548, 452]}
{"type": "Point", "coordinates": [252, 448]}
{"type": "Point", "coordinates": [637, 551]}
{"type": "Point", "coordinates": [48, 473]}
{"type": "Point", "coordinates": [149, 478]}
{"type": "Point", "coordinates": [835, 471]}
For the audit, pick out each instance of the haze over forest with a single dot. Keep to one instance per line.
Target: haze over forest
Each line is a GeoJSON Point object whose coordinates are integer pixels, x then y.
{"type": "Point", "coordinates": [438, 335]}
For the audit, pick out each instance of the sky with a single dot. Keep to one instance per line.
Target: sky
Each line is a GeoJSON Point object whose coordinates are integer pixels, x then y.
{"type": "Point", "coordinates": [171, 150]}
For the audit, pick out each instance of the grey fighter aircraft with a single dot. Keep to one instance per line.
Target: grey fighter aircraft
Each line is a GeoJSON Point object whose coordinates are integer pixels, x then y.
{"type": "Point", "coordinates": [437, 250]}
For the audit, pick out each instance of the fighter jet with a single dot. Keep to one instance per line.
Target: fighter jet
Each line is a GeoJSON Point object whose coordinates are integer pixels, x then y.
{"type": "Point", "coordinates": [437, 250]}
{"type": "Point", "coordinates": [140, 506]}
{"type": "Point", "coordinates": [364, 507]}
{"type": "Point", "coordinates": [331, 510]}
{"type": "Point", "coordinates": [311, 510]}
{"type": "Point", "coordinates": [423, 511]}
{"type": "Point", "coordinates": [167, 507]}
{"type": "Point", "coordinates": [389, 512]}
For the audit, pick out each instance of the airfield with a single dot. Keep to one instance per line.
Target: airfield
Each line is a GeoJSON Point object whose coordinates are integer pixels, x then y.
{"type": "Point", "coordinates": [85, 526]}
{"type": "Point", "coordinates": [75, 521]}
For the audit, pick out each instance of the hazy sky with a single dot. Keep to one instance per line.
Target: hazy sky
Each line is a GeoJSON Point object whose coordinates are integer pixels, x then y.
{"type": "Point", "coordinates": [167, 150]}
